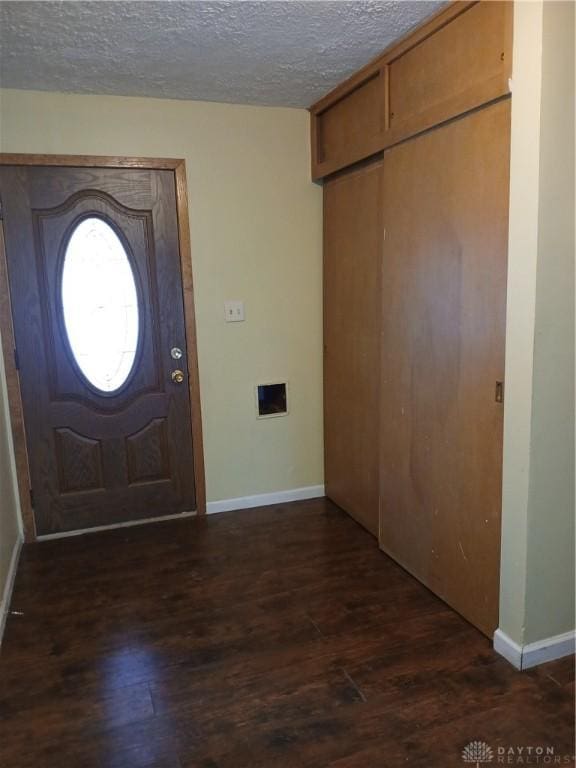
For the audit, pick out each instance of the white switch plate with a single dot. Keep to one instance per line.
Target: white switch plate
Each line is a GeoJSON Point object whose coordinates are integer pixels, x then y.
{"type": "Point", "coordinates": [234, 311]}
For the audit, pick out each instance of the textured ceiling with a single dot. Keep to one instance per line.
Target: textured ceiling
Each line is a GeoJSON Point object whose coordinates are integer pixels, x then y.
{"type": "Point", "coordinates": [273, 52]}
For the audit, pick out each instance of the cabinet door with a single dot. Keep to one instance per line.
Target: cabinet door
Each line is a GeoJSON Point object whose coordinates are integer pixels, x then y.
{"type": "Point", "coordinates": [352, 259]}
{"type": "Point", "coordinates": [445, 203]}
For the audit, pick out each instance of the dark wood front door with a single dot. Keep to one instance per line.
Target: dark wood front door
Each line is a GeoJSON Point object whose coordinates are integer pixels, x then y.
{"type": "Point", "coordinates": [97, 304]}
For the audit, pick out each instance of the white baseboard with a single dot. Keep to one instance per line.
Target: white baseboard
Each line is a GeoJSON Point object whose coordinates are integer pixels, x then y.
{"type": "Point", "coordinates": [533, 654]}
{"type": "Point", "coordinates": [9, 585]}
{"type": "Point", "coordinates": [506, 647]}
{"type": "Point", "coordinates": [550, 649]}
{"type": "Point", "coordinates": [265, 499]}
{"type": "Point", "coordinates": [225, 505]}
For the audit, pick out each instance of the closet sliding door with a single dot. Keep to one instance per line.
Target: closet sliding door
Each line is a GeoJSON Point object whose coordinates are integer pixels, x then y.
{"type": "Point", "coordinates": [352, 263]}
{"type": "Point", "coordinates": [445, 207]}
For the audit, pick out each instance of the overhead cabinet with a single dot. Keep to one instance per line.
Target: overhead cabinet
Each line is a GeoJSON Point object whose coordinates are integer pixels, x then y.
{"type": "Point", "coordinates": [458, 61]}
{"type": "Point", "coordinates": [414, 156]}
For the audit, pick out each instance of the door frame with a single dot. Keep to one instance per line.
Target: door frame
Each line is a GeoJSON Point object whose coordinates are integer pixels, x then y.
{"type": "Point", "coordinates": [15, 408]}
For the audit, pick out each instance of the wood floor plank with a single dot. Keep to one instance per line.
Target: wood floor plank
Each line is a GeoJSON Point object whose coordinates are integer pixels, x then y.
{"type": "Point", "coordinates": [277, 637]}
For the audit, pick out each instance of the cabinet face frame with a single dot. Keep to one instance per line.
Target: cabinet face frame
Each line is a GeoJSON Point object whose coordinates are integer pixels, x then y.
{"type": "Point", "coordinates": [482, 86]}
{"type": "Point", "coordinates": [456, 103]}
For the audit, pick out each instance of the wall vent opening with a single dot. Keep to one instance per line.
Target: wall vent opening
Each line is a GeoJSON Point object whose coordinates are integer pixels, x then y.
{"type": "Point", "coordinates": [271, 400]}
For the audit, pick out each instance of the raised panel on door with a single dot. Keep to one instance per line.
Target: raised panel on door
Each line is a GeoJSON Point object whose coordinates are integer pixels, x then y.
{"type": "Point", "coordinates": [445, 203]}
{"type": "Point", "coordinates": [108, 431]}
{"type": "Point", "coordinates": [352, 258]}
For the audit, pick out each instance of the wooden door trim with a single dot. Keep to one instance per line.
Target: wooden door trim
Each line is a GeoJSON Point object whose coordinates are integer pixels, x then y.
{"type": "Point", "coordinates": [92, 161]}
{"type": "Point", "coordinates": [190, 323]}
{"type": "Point", "coordinates": [15, 409]}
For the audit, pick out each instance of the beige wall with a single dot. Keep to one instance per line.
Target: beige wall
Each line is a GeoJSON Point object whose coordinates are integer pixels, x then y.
{"type": "Point", "coordinates": [522, 258]}
{"type": "Point", "coordinates": [550, 554]}
{"type": "Point", "coordinates": [537, 575]}
{"type": "Point", "coordinates": [256, 235]}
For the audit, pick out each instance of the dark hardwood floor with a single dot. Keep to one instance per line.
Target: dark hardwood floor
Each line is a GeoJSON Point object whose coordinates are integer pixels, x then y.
{"type": "Point", "coordinates": [266, 638]}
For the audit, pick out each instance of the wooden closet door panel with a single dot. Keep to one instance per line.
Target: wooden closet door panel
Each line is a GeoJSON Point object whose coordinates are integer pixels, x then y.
{"type": "Point", "coordinates": [352, 263]}
{"type": "Point", "coordinates": [445, 203]}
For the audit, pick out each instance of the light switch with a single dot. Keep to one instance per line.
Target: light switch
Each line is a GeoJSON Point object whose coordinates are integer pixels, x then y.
{"type": "Point", "coordinates": [234, 311]}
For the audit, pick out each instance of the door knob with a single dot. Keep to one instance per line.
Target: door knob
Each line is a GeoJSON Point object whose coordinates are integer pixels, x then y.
{"type": "Point", "coordinates": [177, 376]}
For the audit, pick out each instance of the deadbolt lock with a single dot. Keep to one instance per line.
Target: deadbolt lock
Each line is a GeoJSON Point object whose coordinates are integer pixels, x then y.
{"type": "Point", "coordinates": [176, 353]}
{"type": "Point", "coordinates": [177, 376]}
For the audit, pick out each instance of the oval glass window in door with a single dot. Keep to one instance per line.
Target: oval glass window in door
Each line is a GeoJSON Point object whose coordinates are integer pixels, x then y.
{"type": "Point", "coordinates": [100, 304]}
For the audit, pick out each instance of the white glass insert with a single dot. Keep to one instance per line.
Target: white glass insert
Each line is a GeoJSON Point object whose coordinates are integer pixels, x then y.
{"type": "Point", "coordinates": [100, 304]}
